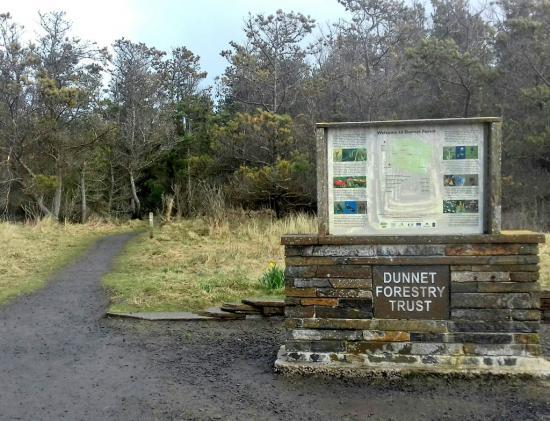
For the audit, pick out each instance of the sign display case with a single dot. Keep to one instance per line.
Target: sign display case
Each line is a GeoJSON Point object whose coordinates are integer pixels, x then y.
{"type": "Point", "coordinates": [409, 177]}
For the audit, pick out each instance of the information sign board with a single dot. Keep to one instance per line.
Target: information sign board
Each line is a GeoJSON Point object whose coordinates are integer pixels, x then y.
{"type": "Point", "coordinates": [406, 179]}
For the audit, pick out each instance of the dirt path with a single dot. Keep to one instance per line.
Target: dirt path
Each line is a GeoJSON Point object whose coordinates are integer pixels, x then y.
{"type": "Point", "coordinates": [59, 359]}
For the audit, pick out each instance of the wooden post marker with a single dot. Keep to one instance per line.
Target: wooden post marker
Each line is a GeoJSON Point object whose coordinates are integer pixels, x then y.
{"type": "Point", "coordinates": [151, 225]}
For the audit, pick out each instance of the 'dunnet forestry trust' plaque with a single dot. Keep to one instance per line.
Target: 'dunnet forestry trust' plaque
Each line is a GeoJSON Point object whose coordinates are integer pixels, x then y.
{"type": "Point", "coordinates": [411, 292]}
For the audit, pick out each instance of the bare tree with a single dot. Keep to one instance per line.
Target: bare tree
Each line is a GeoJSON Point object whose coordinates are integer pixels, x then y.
{"type": "Point", "coordinates": [145, 129]}
{"type": "Point", "coordinates": [68, 76]}
{"type": "Point", "coordinates": [267, 71]}
{"type": "Point", "coordinates": [16, 119]}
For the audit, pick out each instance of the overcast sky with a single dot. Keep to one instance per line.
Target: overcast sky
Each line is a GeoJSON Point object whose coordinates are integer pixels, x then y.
{"type": "Point", "coordinates": [203, 26]}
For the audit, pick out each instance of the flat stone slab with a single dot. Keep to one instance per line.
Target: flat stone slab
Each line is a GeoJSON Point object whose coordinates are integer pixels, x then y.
{"type": "Point", "coordinates": [161, 315]}
{"type": "Point", "coordinates": [240, 308]}
{"type": "Point", "coordinates": [264, 302]}
{"type": "Point", "coordinates": [523, 237]}
{"type": "Point", "coordinates": [341, 365]}
{"type": "Point", "coordinates": [218, 313]}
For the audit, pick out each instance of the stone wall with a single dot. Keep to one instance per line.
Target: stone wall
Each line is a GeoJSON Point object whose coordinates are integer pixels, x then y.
{"type": "Point", "coordinates": [494, 308]}
{"type": "Point", "coordinates": [545, 306]}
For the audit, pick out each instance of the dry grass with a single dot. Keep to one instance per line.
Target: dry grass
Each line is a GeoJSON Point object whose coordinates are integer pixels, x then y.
{"type": "Point", "coordinates": [545, 264]}
{"type": "Point", "coordinates": [29, 253]}
{"type": "Point", "coordinates": [193, 264]}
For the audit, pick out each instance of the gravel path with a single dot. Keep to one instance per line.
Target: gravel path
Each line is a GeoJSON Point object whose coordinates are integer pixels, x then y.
{"type": "Point", "coordinates": [59, 359]}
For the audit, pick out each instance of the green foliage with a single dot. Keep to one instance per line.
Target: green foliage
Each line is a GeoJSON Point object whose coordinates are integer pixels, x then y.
{"type": "Point", "coordinates": [279, 186]}
{"type": "Point", "coordinates": [273, 279]}
{"type": "Point", "coordinates": [523, 47]}
{"type": "Point", "coordinates": [285, 175]}
{"type": "Point", "coordinates": [68, 96]}
{"type": "Point", "coordinates": [459, 74]}
{"type": "Point", "coordinates": [259, 138]}
{"type": "Point", "coordinates": [268, 170]}
{"type": "Point", "coordinates": [45, 183]}
{"type": "Point", "coordinates": [190, 162]}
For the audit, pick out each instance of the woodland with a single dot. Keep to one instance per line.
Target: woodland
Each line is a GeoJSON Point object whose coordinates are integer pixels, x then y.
{"type": "Point", "coordinates": [118, 131]}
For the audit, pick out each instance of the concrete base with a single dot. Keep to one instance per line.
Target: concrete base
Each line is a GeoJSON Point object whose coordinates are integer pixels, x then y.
{"type": "Point", "coordinates": [362, 365]}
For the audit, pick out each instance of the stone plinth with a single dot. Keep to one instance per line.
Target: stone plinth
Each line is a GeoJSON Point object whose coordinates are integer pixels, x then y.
{"type": "Point", "coordinates": [492, 306]}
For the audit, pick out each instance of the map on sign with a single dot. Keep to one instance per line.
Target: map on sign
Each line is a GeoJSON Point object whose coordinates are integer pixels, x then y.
{"type": "Point", "coordinates": [411, 155]}
{"type": "Point", "coordinates": [406, 180]}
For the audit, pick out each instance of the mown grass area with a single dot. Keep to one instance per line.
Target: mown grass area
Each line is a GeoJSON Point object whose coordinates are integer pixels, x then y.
{"type": "Point", "coordinates": [196, 263]}
{"type": "Point", "coordinates": [545, 264]}
{"type": "Point", "coordinates": [30, 253]}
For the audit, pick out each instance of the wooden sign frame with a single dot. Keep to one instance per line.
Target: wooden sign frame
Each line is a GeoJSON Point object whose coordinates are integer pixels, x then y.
{"type": "Point", "coordinates": [492, 166]}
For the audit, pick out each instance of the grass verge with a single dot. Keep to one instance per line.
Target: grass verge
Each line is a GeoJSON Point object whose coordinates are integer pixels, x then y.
{"type": "Point", "coordinates": [32, 252]}
{"type": "Point", "coordinates": [196, 263]}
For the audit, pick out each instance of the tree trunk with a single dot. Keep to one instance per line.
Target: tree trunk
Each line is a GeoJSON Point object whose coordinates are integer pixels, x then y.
{"type": "Point", "coordinates": [7, 198]}
{"type": "Point", "coordinates": [189, 185]}
{"type": "Point", "coordinates": [57, 198]}
{"type": "Point", "coordinates": [467, 102]}
{"type": "Point", "coordinates": [38, 199]}
{"type": "Point", "coordinates": [179, 199]}
{"type": "Point", "coordinates": [169, 207]}
{"type": "Point", "coordinates": [277, 207]}
{"type": "Point", "coordinates": [42, 206]}
{"type": "Point", "coordinates": [137, 205]}
{"type": "Point", "coordinates": [83, 207]}
{"type": "Point", "coordinates": [112, 188]}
